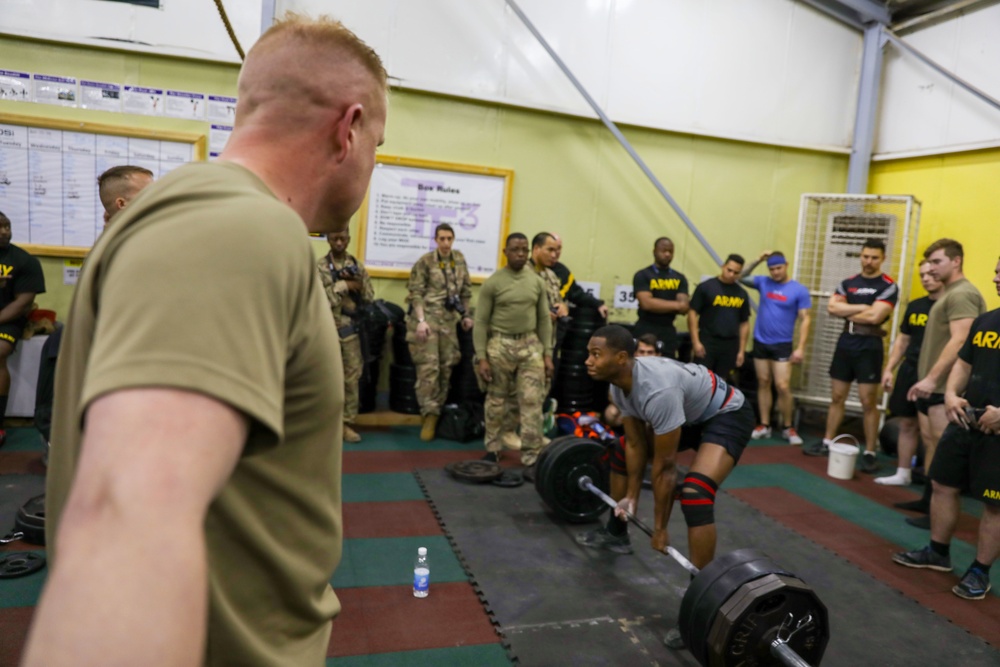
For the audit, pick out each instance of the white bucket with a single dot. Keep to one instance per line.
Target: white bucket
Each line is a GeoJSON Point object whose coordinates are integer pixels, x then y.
{"type": "Point", "coordinates": [843, 458]}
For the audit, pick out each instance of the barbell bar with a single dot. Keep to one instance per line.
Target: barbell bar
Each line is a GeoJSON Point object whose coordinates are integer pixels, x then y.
{"type": "Point", "coordinates": [779, 647]}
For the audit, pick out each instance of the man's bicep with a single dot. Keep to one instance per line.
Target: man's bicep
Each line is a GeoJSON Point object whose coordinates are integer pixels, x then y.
{"type": "Point", "coordinates": [959, 329]}
{"type": "Point", "coordinates": [136, 448]}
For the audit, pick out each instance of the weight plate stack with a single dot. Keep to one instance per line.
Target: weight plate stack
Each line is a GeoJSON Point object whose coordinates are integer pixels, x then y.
{"type": "Point", "coordinates": [402, 390]}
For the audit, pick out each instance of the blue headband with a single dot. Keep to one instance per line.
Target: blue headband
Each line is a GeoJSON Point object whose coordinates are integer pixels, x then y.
{"type": "Point", "coordinates": [776, 260]}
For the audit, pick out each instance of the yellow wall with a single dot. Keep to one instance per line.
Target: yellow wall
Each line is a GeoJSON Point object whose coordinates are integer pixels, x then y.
{"type": "Point", "coordinates": [959, 201]}
{"type": "Point", "coordinates": [571, 176]}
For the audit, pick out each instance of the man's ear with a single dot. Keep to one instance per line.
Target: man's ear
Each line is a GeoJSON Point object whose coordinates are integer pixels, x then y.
{"type": "Point", "coordinates": [345, 131]}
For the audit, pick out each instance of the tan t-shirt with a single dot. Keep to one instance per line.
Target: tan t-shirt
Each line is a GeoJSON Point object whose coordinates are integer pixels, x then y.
{"type": "Point", "coordinates": [207, 283]}
{"type": "Point", "coordinates": [961, 300]}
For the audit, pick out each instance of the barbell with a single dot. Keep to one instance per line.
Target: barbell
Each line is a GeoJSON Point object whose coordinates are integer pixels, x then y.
{"type": "Point", "coordinates": [741, 609]}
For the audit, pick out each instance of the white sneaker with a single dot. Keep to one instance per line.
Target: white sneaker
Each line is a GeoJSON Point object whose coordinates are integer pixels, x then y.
{"type": "Point", "coordinates": [761, 432]}
{"type": "Point", "coordinates": [792, 436]}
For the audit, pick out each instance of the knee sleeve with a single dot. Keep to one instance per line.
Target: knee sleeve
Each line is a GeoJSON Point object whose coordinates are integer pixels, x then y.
{"type": "Point", "coordinates": [698, 500]}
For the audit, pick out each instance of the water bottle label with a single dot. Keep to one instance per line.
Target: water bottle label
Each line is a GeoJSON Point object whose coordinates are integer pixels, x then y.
{"type": "Point", "coordinates": [421, 580]}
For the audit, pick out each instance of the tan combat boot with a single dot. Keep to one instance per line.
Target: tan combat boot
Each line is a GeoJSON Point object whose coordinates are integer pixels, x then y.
{"type": "Point", "coordinates": [429, 428]}
{"type": "Point", "coordinates": [350, 435]}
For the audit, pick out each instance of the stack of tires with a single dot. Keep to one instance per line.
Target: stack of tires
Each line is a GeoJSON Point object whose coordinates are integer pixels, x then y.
{"type": "Point", "coordinates": [374, 321]}
{"type": "Point", "coordinates": [573, 388]}
{"type": "Point", "coordinates": [464, 387]}
{"type": "Point", "coordinates": [402, 373]}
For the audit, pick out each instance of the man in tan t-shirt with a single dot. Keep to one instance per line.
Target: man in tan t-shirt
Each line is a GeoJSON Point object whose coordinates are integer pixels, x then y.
{"type": "Point", "coordinates": [197, 432]}
{"type": "Point", "coordinates": [947, 328]}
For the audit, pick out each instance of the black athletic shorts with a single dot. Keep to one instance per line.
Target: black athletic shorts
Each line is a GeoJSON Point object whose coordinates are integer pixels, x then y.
{"type": "Point", "coordinates": [776, 352]}
{"type": "Point", "coordinates": [720, 355]}
{"type": "Point", "coordinates": [925, 404]}
{"type": "Point", "coordinates": [969, 460]}
{"type": "Point", "coordinates": [11, 332]}
{"type": "Point", "coordinates": [731, 430]}
{"type": "Point", "coordinates": [863, 366]}
{"type": "Point", "coordinates": [906, 377]}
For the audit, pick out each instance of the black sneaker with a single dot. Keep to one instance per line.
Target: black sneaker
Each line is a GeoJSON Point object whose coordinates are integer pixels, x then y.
{"type": "Point", "coordinates": [923, 522]}
{"type": "Point", "coordinates": [918, 505]}
{"type": "Point", "coordinates": [975, 584]}
{"type": "Point", "coordinates": [869, 463]}
{"type": "Point", "coordinates": [924, 559]}
{"type": "Point", "coordinates": [492, 457]}
{"type": "Point", "coordinates": [674, 640]}
{"type": "Point", "coordinates": [602, 539]}
{"type": "Point", "coordinates": [820, 448]}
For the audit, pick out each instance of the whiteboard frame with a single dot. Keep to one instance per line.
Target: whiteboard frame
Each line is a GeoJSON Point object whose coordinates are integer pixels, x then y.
{"type": "Point", "coordinates": [435, 166]}
{"type": "Point", "coordinates": [198, 140]}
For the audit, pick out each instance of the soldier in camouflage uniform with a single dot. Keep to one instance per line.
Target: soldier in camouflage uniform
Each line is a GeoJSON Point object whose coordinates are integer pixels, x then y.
{"type": "Point", "coordinates": [440, 292]}
{"type": "Point", "coordinates": [512, 321]}
{"type": "Point", "coordinates": [347, 286]}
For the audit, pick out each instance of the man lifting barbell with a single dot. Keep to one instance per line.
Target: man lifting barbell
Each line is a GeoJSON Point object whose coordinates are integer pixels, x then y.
{"type": "Point", "coordinates": [687, 407]}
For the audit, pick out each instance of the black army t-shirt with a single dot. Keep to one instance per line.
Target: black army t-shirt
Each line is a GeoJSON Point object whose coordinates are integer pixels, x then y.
{"type": "Point", "coordinates": [19, 273]}
{"type": "Point", "coordinates": [860, 290]}
{"type": "Point", "coordinates": [721, 308]}
{"type": "Point", "coordinates": [663, 285]}
{"type": "Point", "coordinates": [982, 351]}
{"type": "Point", "coordinates": [914, 324]}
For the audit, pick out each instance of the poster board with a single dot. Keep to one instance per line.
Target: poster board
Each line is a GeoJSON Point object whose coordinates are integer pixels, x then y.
{"type": "Point", "coordinates": [49, 170]}
{"type": "Point", "coordinates": [408, 198]}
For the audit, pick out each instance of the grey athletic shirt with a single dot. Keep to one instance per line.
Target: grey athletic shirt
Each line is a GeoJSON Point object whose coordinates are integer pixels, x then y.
{"type": "Point", "coordinates": [669, 394]}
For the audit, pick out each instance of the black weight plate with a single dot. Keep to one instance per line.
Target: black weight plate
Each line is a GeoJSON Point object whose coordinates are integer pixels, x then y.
{"type": "Point", "coordinates": [30, 520]}
{"type": "Point", "coordinates": [558, 482]}
{"type": "Point", "coordinates": [750, 619]}
{"type": "Point", "coordinates": [711, 588]}
{"type": "Point", "coordinates": [509, 479]}
{"type": "Point", "coordinates": [540, 462]}
{"type": "Point", "coordinates": [476, 470]}
{"type": "Point", "coordinates": [20, 564]}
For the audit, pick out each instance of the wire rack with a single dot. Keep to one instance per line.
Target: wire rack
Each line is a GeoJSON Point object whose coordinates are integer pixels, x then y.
{"type": "Point", "coordinates": [832, 229]}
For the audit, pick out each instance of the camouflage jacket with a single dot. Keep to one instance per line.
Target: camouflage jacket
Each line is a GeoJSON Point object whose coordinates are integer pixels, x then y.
{"type": "Point", "coordinates": [432, 281]}
{"type": "Point", "coordinates": [343, 302]}
{"type": "Point", "coordinates": [553, 286]}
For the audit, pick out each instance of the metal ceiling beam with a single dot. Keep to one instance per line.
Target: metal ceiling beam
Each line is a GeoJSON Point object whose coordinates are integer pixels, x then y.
{"type": "Point", "coordinates": [981, 94]}
{"type": "Point", "coordinates": [865, 116]}
{"type": "Point", "coordinates": [615, 131]}
{"type": "Point", "coordinates": [909, 23]}
{"type": "Point", "coordinates": [836, 10]}
{"type": "Point", "coordinates": [868, 10]}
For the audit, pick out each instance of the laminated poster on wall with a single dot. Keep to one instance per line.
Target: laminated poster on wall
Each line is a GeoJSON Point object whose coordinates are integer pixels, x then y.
{"type": "Point", "coordinates": [71, 271]}
{"type": "Point", "coordinates": [409, 198]}
{"type": "Point", "coordinates": [143, 101]}
{"type": "Point", "coordinates": [591, 288]}
{"type": "Point", "coordinates": [100, 95]}
{"type": "Point", "coordinates": [218, 136]}
{"type": "Point", "coordinates": [15, 86]}
{"type": "Point", "coordinates": [221, 109]}
{"type": "Point", "coordinates": [57, 90]}
{"type": "Point", "coordinates": [182, 104]}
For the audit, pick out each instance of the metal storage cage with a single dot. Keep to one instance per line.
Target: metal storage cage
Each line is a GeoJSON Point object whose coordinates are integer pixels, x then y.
{"type": "Point", "coordinates": [832, 228]}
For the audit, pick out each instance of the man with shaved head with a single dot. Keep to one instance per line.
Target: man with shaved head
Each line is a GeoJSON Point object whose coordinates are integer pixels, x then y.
{"type": "Point", "coordinates": [199, 398]}
{"type": "Point", "coordinates": [119, 185]}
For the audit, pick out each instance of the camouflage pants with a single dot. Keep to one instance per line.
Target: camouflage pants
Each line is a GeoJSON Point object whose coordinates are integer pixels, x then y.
{"type": "Point", "coordinates": [434, 359]}
{"type": "Point", "coordinates": [518, 370]}
{"type": "Point", "coordinates": [350, 350]}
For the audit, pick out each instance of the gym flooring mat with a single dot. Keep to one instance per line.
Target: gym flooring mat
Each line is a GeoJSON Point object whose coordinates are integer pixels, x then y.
{"type": "Point", "coordinates": [559, 603]}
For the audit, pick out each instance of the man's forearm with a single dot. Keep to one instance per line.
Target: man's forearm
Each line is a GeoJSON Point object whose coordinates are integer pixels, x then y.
{"type": "Point", "coordinates": [958, 378]}
{"type": "Point", "coordinates": [635, 464]}
{"type": "Point", "coordinates": [744, 335]}
{"type": "Point", "coordinates": [17, 308]}
{"type": "Point", "coordinates": [843, 309]}
{"type": "Point", "coordinates": [748, 269]}
{"type": "Point", "coordinates": [804, 333]}
{"type": "Point", "coordinates": [692, 318]}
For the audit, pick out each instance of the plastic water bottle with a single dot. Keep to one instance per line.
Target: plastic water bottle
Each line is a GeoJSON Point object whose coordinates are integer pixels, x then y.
{"type": "Point", "coordinates": [421, 574]}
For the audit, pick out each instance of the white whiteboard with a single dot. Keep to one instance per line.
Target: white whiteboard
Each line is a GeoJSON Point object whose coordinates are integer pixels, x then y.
{"type": "Point", "coordinates": [48, 178]}
{"type": "Point", "coordinates": [408, 199]}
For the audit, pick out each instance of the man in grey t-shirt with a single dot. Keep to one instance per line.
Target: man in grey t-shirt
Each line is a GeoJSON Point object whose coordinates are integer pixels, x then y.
{"type": "Point", "coordinates": [667, 406]}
